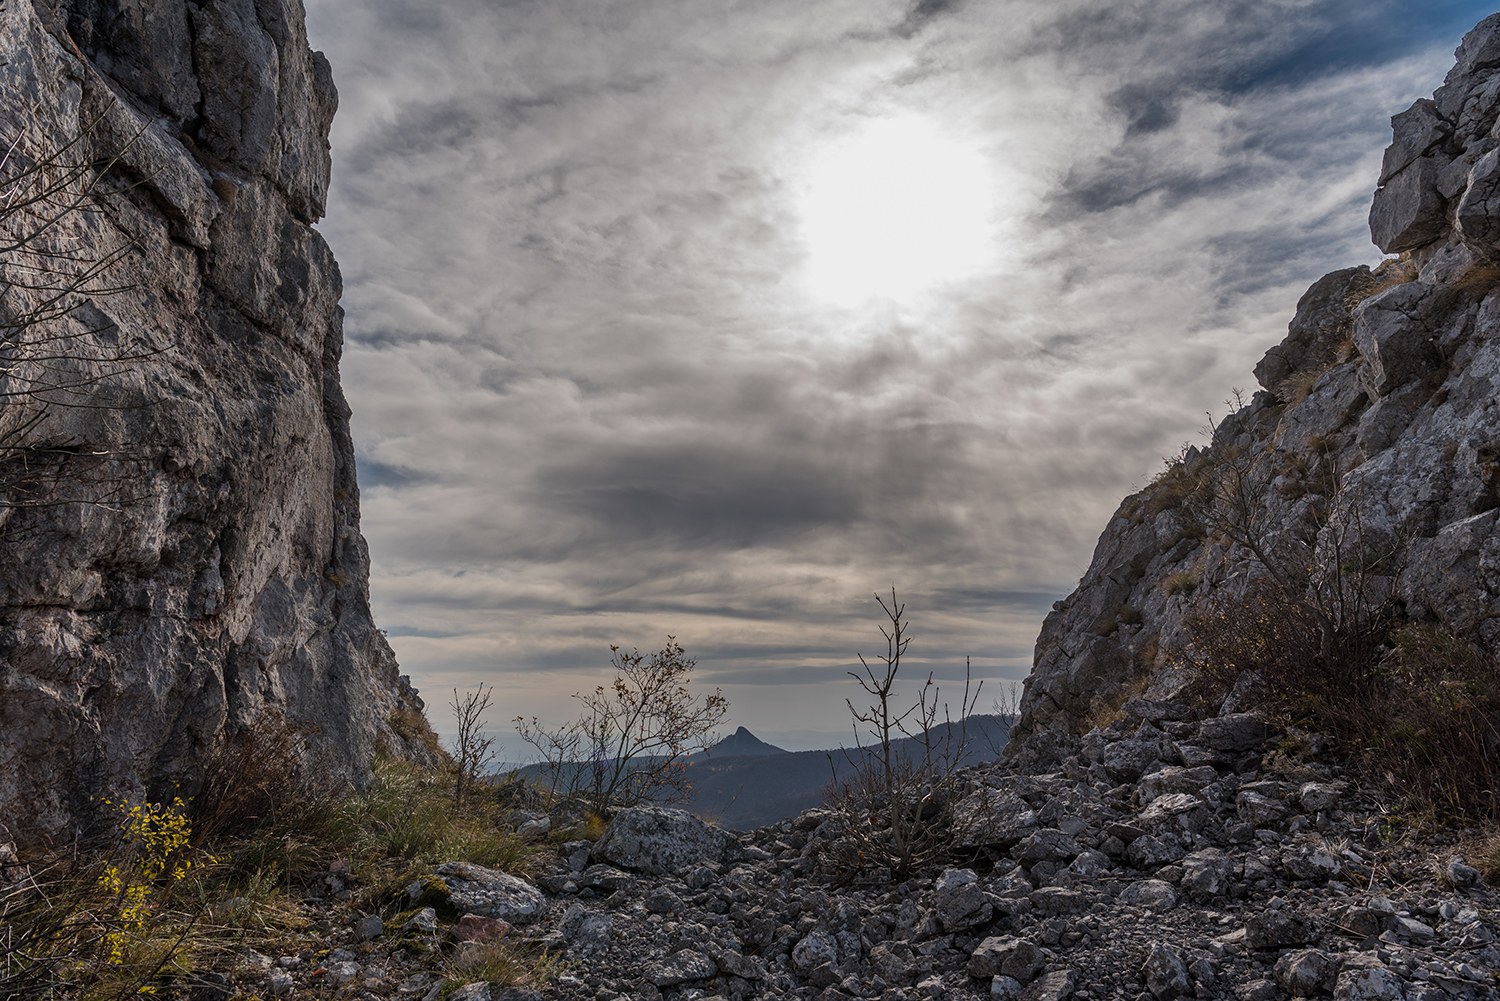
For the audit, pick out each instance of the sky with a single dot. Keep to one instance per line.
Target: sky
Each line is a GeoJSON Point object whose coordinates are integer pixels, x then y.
{"type": "Point", "coordinates": [712, 319]}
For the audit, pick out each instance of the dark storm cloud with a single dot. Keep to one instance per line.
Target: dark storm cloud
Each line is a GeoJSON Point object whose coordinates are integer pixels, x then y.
{"type": "Point", "coordinates": [700, 494]}
{"type": "Point", "coordinates": [595, 402]}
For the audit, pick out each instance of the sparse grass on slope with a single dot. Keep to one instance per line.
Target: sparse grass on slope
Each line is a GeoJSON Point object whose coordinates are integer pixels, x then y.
{"type": "Point", "coordinates": [137, 916]}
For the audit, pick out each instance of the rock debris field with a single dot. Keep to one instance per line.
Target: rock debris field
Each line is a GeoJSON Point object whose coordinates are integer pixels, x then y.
{"type": "Point", "coordinates": [1214, 859]}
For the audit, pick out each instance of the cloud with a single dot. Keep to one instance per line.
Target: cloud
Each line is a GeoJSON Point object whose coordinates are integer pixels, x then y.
{"type": "Point", "coordinates": [597, 400]}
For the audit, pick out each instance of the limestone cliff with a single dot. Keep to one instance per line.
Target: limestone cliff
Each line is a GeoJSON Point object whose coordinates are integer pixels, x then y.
{"type": "Point", "coordinates": [193, 557]}
{"type": "Point", "coordinates": [1374, 442]}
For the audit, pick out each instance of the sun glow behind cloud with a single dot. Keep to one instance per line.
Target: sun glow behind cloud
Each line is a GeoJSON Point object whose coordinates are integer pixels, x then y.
{"type": "Point", "coordinates": [895, 209]}
{"type": "Point", "coordinates": [610, 383]}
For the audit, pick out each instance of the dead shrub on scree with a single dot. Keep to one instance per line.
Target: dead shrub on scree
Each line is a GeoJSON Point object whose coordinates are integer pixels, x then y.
{"type": "Point", "coordinates": [472, 749]}
{"type": "Point", "coordinates": [1419, 707]}
{"type": "Point", "coordinates": [896, 798]}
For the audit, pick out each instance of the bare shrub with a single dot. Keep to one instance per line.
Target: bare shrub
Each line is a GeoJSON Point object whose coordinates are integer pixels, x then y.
{"type": "Point", "coordinates": [1433, 722]}
{"type": "Point", "coordinates": [1417, 706]}
{"type": "Point", "coordinates": [250, 776]}
{"type": "Point", "coordinates": [51, 357]}
{"type": "Point", "coordinates": [632, 741]}
{"type": "Point", "coordinates": [897, 797]}
{"type": "Point", "coordinates": [472, 748]}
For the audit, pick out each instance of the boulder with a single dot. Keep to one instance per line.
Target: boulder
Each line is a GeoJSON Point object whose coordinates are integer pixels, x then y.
{"type": "Point", "coordinates": [492, 894]}
{"type": "Point", "coordinates": [1414, 133]}
{"type": "Point", "coordinates": [606, 878]}
{"type": "Point", "coordinates": [681, 967]}
{"type": "Point", "coordinates": [958, 900]}
{"type": "Point", "coordinates": [1369, 983]}
{"type": "Point", "coordinates": [662, 901]}
{"type": "Point", "coordinates": [1408, 211]}
{"type": "Point", "coordinates": [1279, 928]}
{"type": "Point", "coordinates": [1165, 973]}
{"type": "Point", "coordinates": [1006, 956]}
{"type": "Point", "coordinates": [1178, 779]}
{"type": "Point", "coordinates": [1478, 213]}
{"type": "Point", "coordinates": [1307, 973]}
{"type": "Point", "coordinates": [1057, 900]}
{"type": "Point", "coordinates": [1262, 811]}
{"type": "Point", "coordinates": [1316, 797]}
{"type": "Point", "coordinates": [1046, 845]}
{"type": "Point", "coordinates": [1054, 986]}
{"type": "Point", "coordinates": [1206, 874]}
{"type": "Point", "coordinates": [1152, 894]}
{"type": "Point", "coordinates": [1395, 345]}
{"type": "Point", "coordinates": [815, 949]}
{"type": "Point", "coordinates": [1152, 851]}
{"type": "Point", "coordinates": [1127, 760]}
{"type": "Point", "coordinates": [1176, 812]}
{"type": "Point", "coordinates": [1235, 732]}
{"type": "Point", "coordinates": [993, 816]}
{"type": "Point", "coordinates": [655, 839]}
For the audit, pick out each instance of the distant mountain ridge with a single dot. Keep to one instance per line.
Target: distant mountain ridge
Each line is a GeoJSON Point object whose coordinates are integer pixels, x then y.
{"type": "Point", "coordinates": [746, 791]}
{"type": "Point", "coordinates": [741, 743]}
{"type": "Point", "coordinates": [743, 783]}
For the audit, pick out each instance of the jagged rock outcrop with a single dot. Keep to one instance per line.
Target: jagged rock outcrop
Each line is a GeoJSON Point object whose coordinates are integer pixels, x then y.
{"type": "Point", "coordinates": [193, 558]}
{"type": "Point", "coordinates": [1373, 442]}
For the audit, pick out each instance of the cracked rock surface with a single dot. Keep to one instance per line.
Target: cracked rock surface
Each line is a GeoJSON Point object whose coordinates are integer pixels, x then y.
{"type": "Point", "coordinates": [215, 566]}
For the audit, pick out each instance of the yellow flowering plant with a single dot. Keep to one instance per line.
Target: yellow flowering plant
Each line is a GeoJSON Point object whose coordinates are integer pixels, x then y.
{"type": "Point", "coordinates": [155, 836]}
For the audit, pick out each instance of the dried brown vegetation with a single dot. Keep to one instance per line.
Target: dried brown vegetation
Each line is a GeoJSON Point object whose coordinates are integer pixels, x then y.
{"type": "Point", "coordinates": [896, 801]}
{"type": "Point", "coordinates": [1419, 708]}
{"type": "Point", "coordinates": [260, 833]}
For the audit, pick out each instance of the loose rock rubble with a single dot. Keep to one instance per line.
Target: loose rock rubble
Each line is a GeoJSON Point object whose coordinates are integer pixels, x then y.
{"type": "Point", "coordinates": [1238, 862]}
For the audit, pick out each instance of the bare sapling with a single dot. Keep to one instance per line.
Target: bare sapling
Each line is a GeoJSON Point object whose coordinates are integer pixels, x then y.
{"type": "Point", "coordinates": [897, 797]}
{"type": "Point", "coordinates": [472, 747]}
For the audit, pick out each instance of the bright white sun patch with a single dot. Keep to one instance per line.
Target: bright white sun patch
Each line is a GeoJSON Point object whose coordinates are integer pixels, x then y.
{"type": "Point", "coordinates": [895, 209]}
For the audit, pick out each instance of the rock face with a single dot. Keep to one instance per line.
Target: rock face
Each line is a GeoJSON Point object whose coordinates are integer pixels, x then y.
{"type": "Point", "coordinates": [193, 558]}
{"type": "Point", "coordinates": [1375, 436]}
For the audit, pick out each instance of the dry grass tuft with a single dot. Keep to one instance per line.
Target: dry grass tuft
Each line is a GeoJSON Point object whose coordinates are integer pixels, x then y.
{"type": "Point", "coordinates": [1483, 853]}
{"type": "Point", "coordinates": [1480, 280]}
{"type": "Point", "coordinates": [1184, 582]}
{"type": "Point", "coordinates": [501, 964]}
{"type": "Point", "coordinates": [1299, 385]}
{"type": "Point", "coordinates": [411, 726]}
{"type": "Point", "coordinates": [250, 776]}
{"type": "Point", "coordinates": [1389, 274]}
